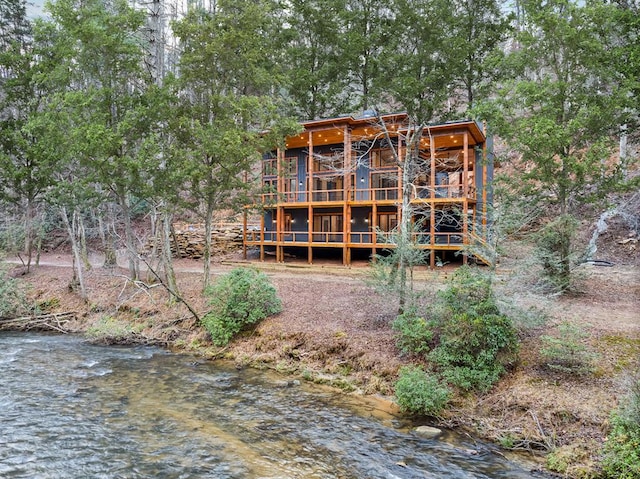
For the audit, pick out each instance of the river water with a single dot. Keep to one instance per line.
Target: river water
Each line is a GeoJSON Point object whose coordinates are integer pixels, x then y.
{"type": "Point", "coordinates": [69, 409]}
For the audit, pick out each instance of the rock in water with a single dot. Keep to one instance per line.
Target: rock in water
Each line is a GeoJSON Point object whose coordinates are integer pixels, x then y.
{"type": "Point", "coordinates": [428, 432]}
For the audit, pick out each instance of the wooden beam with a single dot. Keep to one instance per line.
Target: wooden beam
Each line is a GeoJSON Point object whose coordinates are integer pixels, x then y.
{"type": "Point", "coordinates": [244, 233]}
{"type": "Point", "coordinates": [310, 233]}
{"type": "Point", "coordinates": [465, 201]}
{"type": "Point", "coordinates": [484, 183]}
{"type": "Point", "coordinates": [262, 237]}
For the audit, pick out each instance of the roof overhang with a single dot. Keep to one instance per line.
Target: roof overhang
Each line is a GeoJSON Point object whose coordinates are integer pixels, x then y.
{"type": "Point", "coordinates": [332, 131]}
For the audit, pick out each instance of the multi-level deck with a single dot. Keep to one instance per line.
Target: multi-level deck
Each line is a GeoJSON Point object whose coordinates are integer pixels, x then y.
{"type": "Point", "coordinates": [337, 186]}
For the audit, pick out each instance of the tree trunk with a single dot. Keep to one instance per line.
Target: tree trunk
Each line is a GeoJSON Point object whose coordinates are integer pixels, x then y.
{"type": "Point", "coordinates": [167, 258]}
{"type": "Point", "coordinates": [134, 262]}
{"type": "Point", "coordinates": [75, 248]}
{"type": "Point", "coordinates": [84, 253]}
{"type": "Point", "coordinates": [404, 239]}
{"type": "Point", "coordinates": [206, 256]}
{"type": "Point", "coordinates": [108, 238]}
{"type": "Point", "coordinates": [28, 232]}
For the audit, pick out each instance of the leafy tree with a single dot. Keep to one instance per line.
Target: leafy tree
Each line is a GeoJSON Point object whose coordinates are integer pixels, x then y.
{"type": "Point", "coordinates": [103, 87]}
{"type": "Point", "coordinates": [417, 65]}
{"type": "Point", "coordinates": [367, 34]}
{"type": "Point", "coordinates": [14, 24]}
{"type": "Point", "coordinates": [562, 109]}
{"type": "Point", "coordinates": [419, 73]}
{"type": "Point", "coordinates": [24, 174]}
{"type": "Point", "coordinates": [314, 59]}
{"type": "Point", "coordinates": [481, 30]}
{"type": "Point", "coordinates": [227, 97]}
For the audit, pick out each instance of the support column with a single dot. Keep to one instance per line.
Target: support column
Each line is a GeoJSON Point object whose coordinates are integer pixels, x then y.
{"type": "Point", "coordinates": [279, 234]}
{"type": "Point", "coordinates": [244, 234]}
{"type": "Point", "coordinates": [465, 201]}
{"type": "Point", "coordinates": [432, 203]}
{"type": "Point", "coordinates": [310, 195]}
{"type": "Point", "coordinates": [262, 237]}
{"type": "Point", "coordinates": [346, 232]}
{"type": "Point", "coordinates": [373, 227]}
{"type": "Point", "coordinates": [484, 182]}
{"type": "Point", "coordinates": [310, 233]}
{"type": "Point", "coordinates": [346, 196]}
{"type": "Point", "coordinates": [280, 192]}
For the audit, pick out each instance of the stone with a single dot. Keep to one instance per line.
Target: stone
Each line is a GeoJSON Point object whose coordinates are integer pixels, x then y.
{"type": "Point", "coordinates": [428, 431]}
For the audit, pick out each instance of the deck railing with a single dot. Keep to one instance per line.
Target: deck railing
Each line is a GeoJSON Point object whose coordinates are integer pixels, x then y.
{"type": "Point", "coordinates": [378, 194]}
{"type": "Point", "coordinates": [355, 237]}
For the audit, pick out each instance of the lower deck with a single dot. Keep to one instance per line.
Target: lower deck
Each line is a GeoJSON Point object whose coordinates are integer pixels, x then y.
{"type": "Point", "coordinates": [349, 230]}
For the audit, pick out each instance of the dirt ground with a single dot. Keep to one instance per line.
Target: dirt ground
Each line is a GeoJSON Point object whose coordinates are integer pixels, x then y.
{"type": "Point", "coordinates": [334, 329]}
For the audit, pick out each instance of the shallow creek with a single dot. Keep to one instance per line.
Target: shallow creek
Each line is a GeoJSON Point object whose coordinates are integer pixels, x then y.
{"type": "Point", "coordinates": [69, 409]}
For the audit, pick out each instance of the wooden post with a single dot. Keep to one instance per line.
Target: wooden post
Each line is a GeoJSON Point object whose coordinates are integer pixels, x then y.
{"type": "Point", "coordinates": [310, 195]}
{"type": "Point", "coordinates": [310, 233]}
{"type": "Point", "coordinates": [244, 234]}
{"type": "Point", "coordinates": [280, 191]}
{"type": "Point", "coordinates": [280, 233]}
{"type": "Point", "coordinates": [465, 200]}
{"type": "Point", "coordinates": [432, 203]}
{"type": "Point", "coordinates": [346, 232]}
{"type": "Point", "coordinates": [346, 181]}
{"type": "Point", "coordinates": [262, 237]}
{"type": "Point", "coordinates": [484, 182]}
{"type": "Point", "coordinates": [373, 227]}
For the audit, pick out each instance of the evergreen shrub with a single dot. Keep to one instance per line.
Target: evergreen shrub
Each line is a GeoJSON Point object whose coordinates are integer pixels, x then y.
{"type": "Point", "coordinates": [463, 333]}
{"type": "Point", "coordinates": [239, 300]}
{"type": "Point", "coordinates": [414, 332]}
{"type": "Point", "coordinates": [474, 349]}
{"type": "Point", "coordinates": [621, 459]}
{"type": "Point", "coordinates": [565, 352]}
{"type": "Point", "coordinates": [420, 392]}
{"type": "Point", "coordinates": [13, 300]}
{"type": "Point", "coordinates": [555, 251]}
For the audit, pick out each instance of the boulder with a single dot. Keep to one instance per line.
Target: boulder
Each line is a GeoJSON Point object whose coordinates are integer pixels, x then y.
{"type": "Point", "coordinates": [428, 431]}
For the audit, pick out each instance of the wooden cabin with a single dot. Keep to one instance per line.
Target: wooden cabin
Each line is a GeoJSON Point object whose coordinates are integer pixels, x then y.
{"type": "Point", "coordinates": [336, 188]}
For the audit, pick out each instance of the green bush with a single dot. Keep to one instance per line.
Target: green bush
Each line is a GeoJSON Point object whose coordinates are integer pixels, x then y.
{"type": "Point", "coordinates": [239, 300]}
{"type": "Point", "coordinates": [414, 332]}
{"type": "Point", "coordinates": [474, 349]}
{"type": "Point", "coordinates": [462, 332]}
{"type": "Point", "coordinates": [555, 251]}
{"type": "Point", "coordinates": [13, 302]}
{"type": "Point", "coordinates": [421, 393]}
{"type": "Point", "coordinates": [469, 291]}
{"type": "Point", "coordinates": [621, 458]}
{"type": "Point", "coordinates": [565, 352]}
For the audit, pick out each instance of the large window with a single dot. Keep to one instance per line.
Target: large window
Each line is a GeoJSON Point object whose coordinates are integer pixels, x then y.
{"type": "Point", "coordinates": [327, 227]}
{"type": "Point", "coordinates": [328, 188]}
{"type": "Point", "coordinates": [290, 188]}
{"type": "Point", "coordinates": [270, 167]}
{"type": "Point", "coordinates": [332, 161]}
{"type": "Point", "coordinates": [385, 186]}
{"type": "Point", "coordinates": [382, 158]}
{"type": "Point", "coordinates": [291, 166]}
{"type": "Point", "coordinates": [270, 189]}
{"type": "Point", "coordinates": [387, 221]}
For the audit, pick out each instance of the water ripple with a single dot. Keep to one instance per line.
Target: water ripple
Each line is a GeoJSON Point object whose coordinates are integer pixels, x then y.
{"type": "Point", "coordinates": [69, 409]}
